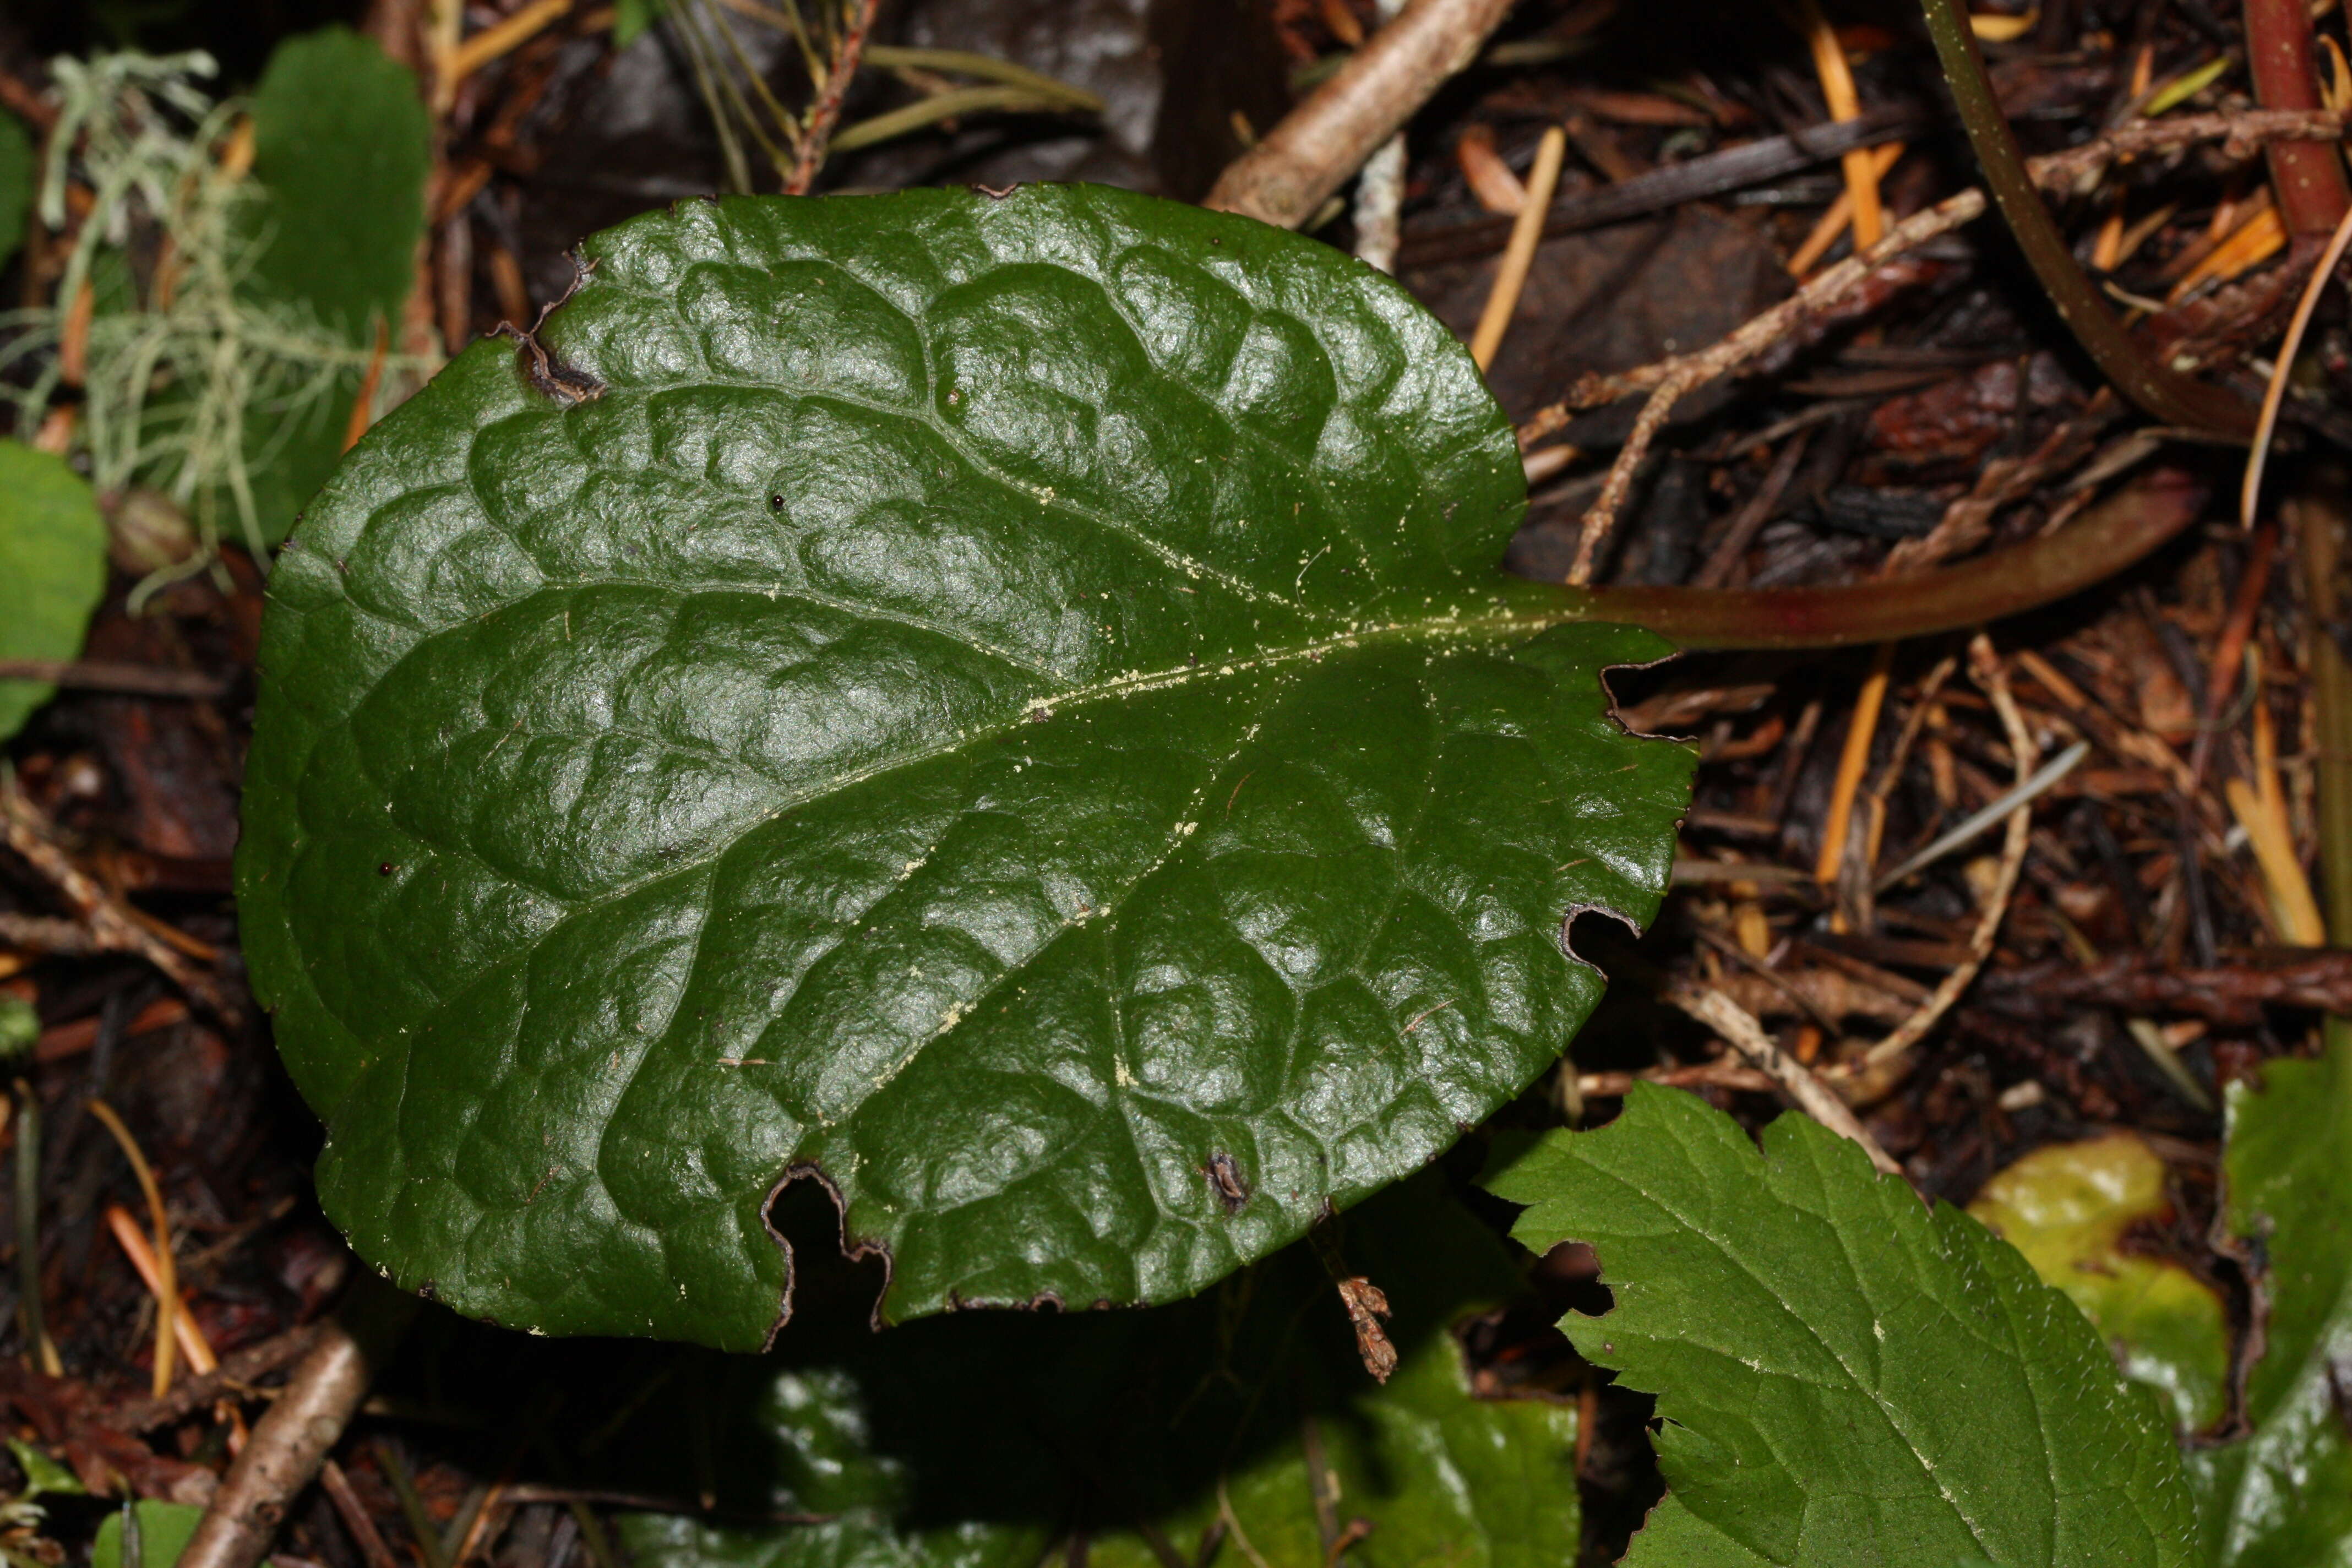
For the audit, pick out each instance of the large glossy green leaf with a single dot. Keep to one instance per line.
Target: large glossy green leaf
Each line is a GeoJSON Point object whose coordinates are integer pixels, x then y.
{"type": "Point", "coordinates": [987, 1438]}
{"type": "Point", "coordinates": [52, 569]}
{"type": "Point", "coordinates": [341, 147]}
{"type": "Point", "coordinates": [1008, 704]}
{"type": "Point", "coordinates": [2069, 1208]}
{"type": "Point", "coordinates": [1845, 1376]}
{"type": "Point", "coordinates": [2283, 1497]}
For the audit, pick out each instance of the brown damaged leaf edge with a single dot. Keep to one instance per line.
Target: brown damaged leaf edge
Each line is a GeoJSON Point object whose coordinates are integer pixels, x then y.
{"type": "Point", "coordinates": [2108, 537]}
{"type": "Point", "coordinates": [548, 375]}
{"type": "Point", "coordinates": [857, 1251]}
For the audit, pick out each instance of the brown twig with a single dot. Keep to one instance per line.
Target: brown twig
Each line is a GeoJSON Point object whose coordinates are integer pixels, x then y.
{"type": "Point", "coordinates": [27, 104]}
{"type": "Point", "coordinates": [2229, 649]}
{"type": "Point", "coordinates": [816, 135]}
{"type": "Point", "coordinates": [2308, 180]}
{"type": "Point", "coordinates": [2234, 997]}
{"type": "Point", "coordinates": [114, 925]}
{"type": "Point", "coordinates": [1670, 380]}
{"type": "Point", "coordinates": [133, 679]}
{"type": "Point", "coordinates": [293, 1438]}
{"type": "Point", "coordinates": [2147, 380]}
{"type": "Point", "coordinates": [1854, 761]}
{"type": "Point", "coordinates": [1729, 1072]}
{"type": "Point", "coordinates": [2282, 366]}
{"type": "Point", "coordinates": [1985, 669]}
{"type": "Point", "coordinates": [1715, 174]}
{"type": "Point", "coordinates": [354, 1515]}
{"type": "Point", "coordinates": [1511, 276]}
{"type": "Point", "coordinates": [1739, 1028]}
{"type": "Point", "coordinates": [1317, 146]}
{"type": "Point", "coordinates": [1754, 514]}
{"type": "Point", "coordinates": [237, 1370]}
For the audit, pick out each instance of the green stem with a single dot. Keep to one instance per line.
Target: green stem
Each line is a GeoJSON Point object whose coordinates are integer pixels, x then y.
{"type": "Point", "coordinates": [2155, 386]}
{"type": "Point", "coordinates": [2308, 177]}
{"type": "Point", "coordinates": [2104, 540]}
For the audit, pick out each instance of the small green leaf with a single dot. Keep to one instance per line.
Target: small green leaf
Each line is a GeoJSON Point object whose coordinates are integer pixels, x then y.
{"type": "Point", "coordinates": [983, 1438]}
{"type": "Point", "coordinates": [342, 146]}
{"type": "Point", "coordinates": [1008, 704]}
{"type": "Point", "coordinates": [1846, 1377]}
{"type": "Point", "coordinates": [632, 17]}
{"type": "Point", "coordinates": [164, 1529]}
{"type": "Point", "coordinates": [18, 180]}
{"type": "Point", "coordinates": [2067, 1208]}
{"type": "Point", "coordinates": [2283, 1497]}
{"type": "Point", "coordinates": [43, 1474]}
{"type": "Point", "coordinates": [20, 1028]}
{"type": "Point", "coordinates": [52, 569]}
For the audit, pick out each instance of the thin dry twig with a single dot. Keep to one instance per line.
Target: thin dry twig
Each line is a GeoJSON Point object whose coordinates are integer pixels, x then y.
{"type": "Point", "coordinates": [1739, 1026]}
{"type": "Point", "coordinates": [2275, 395]}
{"type": "Point", "coordinates": [1854, 761]}
{"type": "Point", "coordinates": [1985, 669]}
{"type": "Point", "coordinates": [1845, 104]}
{"type": "Point", "coordinates": [354, 1515]}
{"type": "Point", "coordinates": [1317, 146]}
{"type": "Point", "coordinates": [826, 113]}
{"type": "Point", "coordinates": [1511, 276]}
{"type": "Point", "coordinates": [162, 1272]}
{"type": "Point", "coordinates": [1728, 1072]}
{"type": "Point", "coordinates": [112, 924]}
{"type": "Point", "coordinates": [1668, 381]}
{"type": "Point", "coordinates": [95, 675]}
{"type": "Point", "coordinates": [238, 1369]}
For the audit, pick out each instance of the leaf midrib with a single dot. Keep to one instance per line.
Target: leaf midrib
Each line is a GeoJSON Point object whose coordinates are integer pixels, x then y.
{"type": "Point", "coordinates": [1500, 624]}
{"type": "Point", "coordinates": [1771, 1293]}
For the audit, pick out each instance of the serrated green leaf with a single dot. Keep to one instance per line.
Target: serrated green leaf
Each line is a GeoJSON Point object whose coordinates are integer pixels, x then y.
{"type": "Point", "coordinates": [985, 1437]}
{"type": "Point", "coordinates": [342, 146]}
{"type": "Point", "coordinates": [2283, 1497]}
{"type": "Point", "coordinates": [2068, 1207]}
{"type": "Point", "coordinates": [52, 569]}
{"type": "Point", "coordinates": [1846, 1377]}
{"type": "Point", "coordinates": [1008, 703]}
{"type": "Point", "coordinates": [19, 178]}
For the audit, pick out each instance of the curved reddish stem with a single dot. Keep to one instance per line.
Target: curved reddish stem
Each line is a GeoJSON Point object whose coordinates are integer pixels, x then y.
{"type": "Point", "coordinates": [2105, 539]}
{"type": "Point", "coordinates": [2308, 177]}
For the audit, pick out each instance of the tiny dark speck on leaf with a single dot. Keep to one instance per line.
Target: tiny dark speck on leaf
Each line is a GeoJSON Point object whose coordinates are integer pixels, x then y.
{"type": "Point", "coordinates": [775, 503]}
{"type": "Point", "coordinates": [387, 870]}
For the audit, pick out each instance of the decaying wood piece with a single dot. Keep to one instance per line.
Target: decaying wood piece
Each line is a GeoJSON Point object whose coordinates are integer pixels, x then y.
{"type": "Point", "coordinates": [293, 1439]}
{"type": "Point", "coordinates": [1322, 142]}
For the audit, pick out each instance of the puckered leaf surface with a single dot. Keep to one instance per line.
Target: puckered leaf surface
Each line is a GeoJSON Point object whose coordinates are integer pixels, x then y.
{"type": "Point", "coordinates": [1846, 1377]}
{"type": "Point", "coordinates": [1009, 704]}
{"type": "Point", "coordinates": [2283, 1497]}
{"type": "Point", "coordinates": [1243, 1417]}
